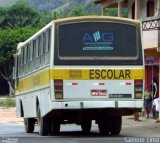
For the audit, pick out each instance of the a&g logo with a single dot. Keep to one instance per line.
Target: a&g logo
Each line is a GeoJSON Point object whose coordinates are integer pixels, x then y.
{"type": "Point", "coordinates": [98, 37]}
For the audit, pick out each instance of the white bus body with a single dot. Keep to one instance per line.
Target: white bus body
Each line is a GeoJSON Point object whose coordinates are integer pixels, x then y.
{"type": "Point", "coordinates": [76, 70]}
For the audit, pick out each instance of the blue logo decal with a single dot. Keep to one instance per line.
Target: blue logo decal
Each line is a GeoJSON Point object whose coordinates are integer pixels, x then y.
{"type": "Point", "coordinates": [98, 40]}
{"type": "Point", "coordinates": [96, 36]}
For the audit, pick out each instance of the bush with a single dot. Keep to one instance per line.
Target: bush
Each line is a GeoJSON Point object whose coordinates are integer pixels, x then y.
{"type": "Point", "coordinates": [7, 102]}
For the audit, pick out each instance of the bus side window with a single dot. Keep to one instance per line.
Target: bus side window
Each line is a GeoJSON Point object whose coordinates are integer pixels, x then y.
{"type": "Point", "coordinates": [42, 49]}
{"type": "Point", "coordinates": [25, 54]}
{"type": "Point", "coordinates": [37, 60]}
{"type": "Point", "coordinates": [28, 53]}
{"type": "Point", "coordinates": [37, 48]}
{"type": "Point", "coordinates": [25, 59]}
{"type": "Point", "coordinates": [44, 42]}
{"type": "Point", "coordinates": [34, 50]}
{"type": "Point", "coordinates": [33, 55]}
{"type": "Point", "coordinates": [22, 61]}
{"type": "Point", "coordinates": [19, 64]}
{"type": "Point", "coordinates": [40, 43]}
{"type": "Point", "coordinates": [43, 46]}
{"type": "Point", "coordinates": [47, 49]}
{"type": "Point", "coordinates": [31, 61]}
{"type": "Point", "coordinates": [48, 40]}
{"type": "Point", "coordinates": [31, 52]}
{"type": "Point", "coordinates": [21, 56]}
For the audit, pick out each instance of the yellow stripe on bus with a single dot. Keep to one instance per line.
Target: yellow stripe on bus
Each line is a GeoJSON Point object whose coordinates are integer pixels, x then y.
{"type": "Point", "coordinates": [34, 81]}
{"type": "Point", "coordinates": [43, 78]}
{"type": "Point", "coordinates": [97, 74]}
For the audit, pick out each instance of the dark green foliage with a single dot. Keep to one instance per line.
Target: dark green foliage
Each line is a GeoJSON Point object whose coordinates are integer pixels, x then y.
{"type": "Point", "coordinates": [9, 38]}
{"type": "Point", "coordinates": [51, 5]}
{"type": "Point", "coordinates": [92, 9]}
{"type": "Point", "coordinates": [57, 15]}
{"type": "Point", "coordinates": [18, 15]}
{"type": "Point", "coordinates": [114, 12]}
{"type": "Point", "coordinates": [77, 11]}
{"type": "Point", "coordinates": [17, 23]}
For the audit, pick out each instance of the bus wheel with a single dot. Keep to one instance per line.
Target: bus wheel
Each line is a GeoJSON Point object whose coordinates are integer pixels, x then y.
{"type": "Point", "coordinates": [86, 126]}
{"type": "Point", "coordinates": [55, 127]}
{"type": "Point", "coordinates": [29, 125]}
{"type": "Point", "coordinates": [116, 124]}
{"type": "Point", "coordinates": [43, 124]}
{"type": "Point", "coordinates": [104, 126]}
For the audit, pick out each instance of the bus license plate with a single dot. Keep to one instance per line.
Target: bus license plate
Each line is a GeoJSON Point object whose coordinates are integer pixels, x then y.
{"type": "Point", "coordinates": [97, 92]}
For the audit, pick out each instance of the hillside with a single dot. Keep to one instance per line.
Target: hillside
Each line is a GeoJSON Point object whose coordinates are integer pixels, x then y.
{"type": "Point", "coordinates": [4, 3]}
{"type": "Point", "coordinates": [51, 5]}
{"type": "Point", "coordinates": [57, 5]}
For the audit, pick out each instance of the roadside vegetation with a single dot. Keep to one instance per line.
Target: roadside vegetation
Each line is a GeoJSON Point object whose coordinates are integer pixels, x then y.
{"type": "Point", "coordinates": [7, 101]}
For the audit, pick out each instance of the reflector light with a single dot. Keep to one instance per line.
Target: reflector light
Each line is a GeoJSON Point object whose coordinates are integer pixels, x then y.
{"type": "Point", "coordinates": [58, 82]}
{"type": "Point", "coordinates": [138, 89]}
{"type": "Point", "coordinates": [74, 83]}
{"type": "Point", "coordinates": [128, 83]}
{"type": "Point", "coordinates": [58, 89]}
{"type": "Point", "coordinates": [101, 83]}
{"type": "Point", "coordinates": [138, 81]}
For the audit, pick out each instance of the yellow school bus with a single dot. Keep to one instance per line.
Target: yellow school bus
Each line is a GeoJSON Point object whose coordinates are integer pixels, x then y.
{"type": "Point", "coordinates": [79, 70]}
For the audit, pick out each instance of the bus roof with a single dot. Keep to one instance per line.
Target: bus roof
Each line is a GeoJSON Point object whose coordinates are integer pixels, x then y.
{"type": "Point", "coordinates": [74, 18]}
{"type": "Point", "coordinates": [97, 17]}
{"type": "Point", "coordinates": [21, 44]}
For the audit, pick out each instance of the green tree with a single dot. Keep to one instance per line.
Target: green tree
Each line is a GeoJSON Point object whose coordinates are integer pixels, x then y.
{"type": "Point", "coordinates": [57, 14]}
{"type": "Point", "coordinates": [92, 9]}
{"type": "Point", "coordinates": [17, 23]}
{"type": "Point", "coordinates": [9, 38]}
{"type": "Point", "coordinates": [77, 11]}
{"type": "Point", "coordinates": [114, 12]}
{"type": "Point", "coordinates": [18, 15]}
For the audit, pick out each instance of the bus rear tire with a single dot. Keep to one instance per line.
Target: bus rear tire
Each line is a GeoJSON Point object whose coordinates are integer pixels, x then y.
{"type": "Point", "coordinates": [29, 125]}
{"type": "Point", "coordinates": [116, 125]}
{"type": "Point", "coordinates": [86, 126]}
{"type": "Point", "coordinates": [43, 124]}
{"type": "Point", "coordinates": [55, 127]}
{"type": "Point", "coordinates": [104, 126]}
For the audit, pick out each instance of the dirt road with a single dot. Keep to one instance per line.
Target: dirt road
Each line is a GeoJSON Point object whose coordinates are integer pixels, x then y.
{"type": "Point", "coordinates": [9, 115]}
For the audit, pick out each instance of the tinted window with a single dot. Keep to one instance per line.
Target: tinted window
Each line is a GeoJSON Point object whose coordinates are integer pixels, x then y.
{"type": "Point", "coordinates": [101, 41]}
{"type": "Point", "coordinates": [111, 40]}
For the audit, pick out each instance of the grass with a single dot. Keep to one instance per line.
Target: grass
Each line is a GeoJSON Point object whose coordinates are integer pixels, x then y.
{"type": "Point", "coordinates": [7, 101]}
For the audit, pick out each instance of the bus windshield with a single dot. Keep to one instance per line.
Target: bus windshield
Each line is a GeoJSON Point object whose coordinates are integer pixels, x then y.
{"type": "Point", "coordinates": [98, 43]}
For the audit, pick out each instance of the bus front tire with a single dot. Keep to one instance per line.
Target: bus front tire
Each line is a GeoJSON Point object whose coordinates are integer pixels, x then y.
{"type": "Point", "coordinates": [43, 124]}
{"type": "Point", "coordinates": [29, 125]}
